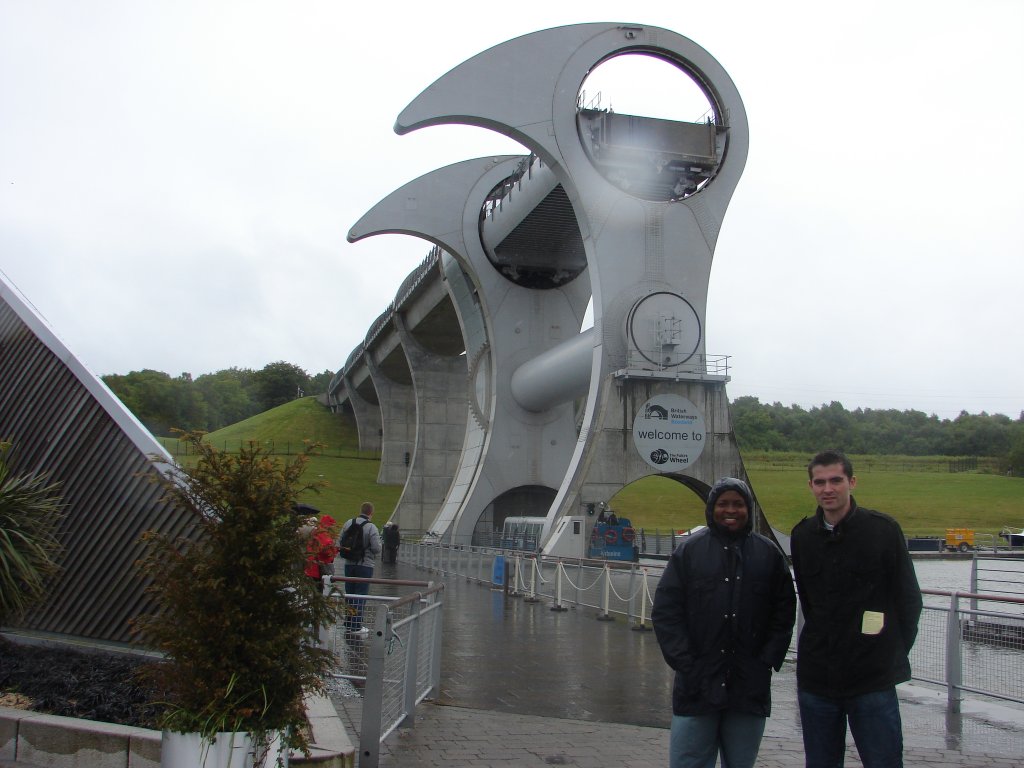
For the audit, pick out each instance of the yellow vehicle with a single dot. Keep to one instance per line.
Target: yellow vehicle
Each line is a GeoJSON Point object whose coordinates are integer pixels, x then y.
{"type": "Point", "coordinates": [960, 538]}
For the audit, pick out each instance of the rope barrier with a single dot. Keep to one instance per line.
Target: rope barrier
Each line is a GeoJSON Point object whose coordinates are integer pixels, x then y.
{"type": "Point", "coordinates": [597, 580]}
{"type": "Point", "coordinates": [532, 587]}
{"type": "Point", "coordinates": [624, 599]}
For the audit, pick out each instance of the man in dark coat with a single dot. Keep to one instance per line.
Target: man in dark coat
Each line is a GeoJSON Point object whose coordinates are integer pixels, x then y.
{"type": "Point", "coordinates": [392, 539]}
{"type": "Point", "coordinates": [723, 615]}
{"type": "Point", "coordinates": [861, 603]}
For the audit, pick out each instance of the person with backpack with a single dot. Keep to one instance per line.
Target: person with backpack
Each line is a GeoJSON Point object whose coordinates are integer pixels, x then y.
{"type": "Point", "coordinates": [392, 539]}
{"type": "Point", "coordinates": [358, 545]}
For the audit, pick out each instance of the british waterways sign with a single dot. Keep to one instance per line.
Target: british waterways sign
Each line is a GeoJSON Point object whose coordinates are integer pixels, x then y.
{"type": "Point", "coordinates": [668, 432]}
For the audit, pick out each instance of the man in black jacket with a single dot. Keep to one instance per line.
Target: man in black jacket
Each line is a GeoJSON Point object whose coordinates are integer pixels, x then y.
{"type": "Point", "coordinates": [723, 614]}
{"type": "Point", "coordinates": [861, 603]}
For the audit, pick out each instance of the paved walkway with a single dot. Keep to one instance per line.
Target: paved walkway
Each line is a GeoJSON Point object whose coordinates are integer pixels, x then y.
{"type": "Point", "coordinates": [526, 686]}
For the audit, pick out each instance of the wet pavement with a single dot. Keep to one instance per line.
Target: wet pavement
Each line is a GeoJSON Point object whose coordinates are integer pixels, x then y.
{"type": "Point", "coordinates": [522, 685]}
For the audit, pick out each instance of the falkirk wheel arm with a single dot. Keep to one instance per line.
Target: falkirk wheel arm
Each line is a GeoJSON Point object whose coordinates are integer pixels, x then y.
{"type": "Point", "coordinates": [432, 207]}
{"type": "Point", "coordinates": [527, 88]}
{"type": "Point", "coordinates": [544, 432]}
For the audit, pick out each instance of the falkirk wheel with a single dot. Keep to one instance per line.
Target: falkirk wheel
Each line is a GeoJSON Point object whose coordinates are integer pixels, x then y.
{"type": "Point", "coordinates": [537, 417]}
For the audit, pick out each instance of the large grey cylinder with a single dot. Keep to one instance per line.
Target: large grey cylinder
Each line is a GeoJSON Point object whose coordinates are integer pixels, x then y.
{"type": "Point", "coordinates": [557, 376]}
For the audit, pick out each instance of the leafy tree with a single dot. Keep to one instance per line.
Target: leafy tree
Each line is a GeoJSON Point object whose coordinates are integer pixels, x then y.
{"type": "Point", "coordinates": [978, 435]}
{"type": "Point", "coordinates": [279, 383]}
{"type": "Point", "coordinates": [776, 427]}
{"type": "Point", "coordinates": [1015, 457]}
{"type": "Point", "coordinates": [30, 512]}
{"type": "Point", "coordinates": [318, 384]}
{"type": "Point", "coordinates": [754, 425]}
{"type": "Point", "coordinates": [160, 402]}
{"type": "Point", "coordinates": [229, 396]}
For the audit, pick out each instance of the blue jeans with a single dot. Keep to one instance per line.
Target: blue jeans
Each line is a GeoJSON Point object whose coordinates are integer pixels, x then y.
{"type": "Point", "coordinates": [874, 720]}
{"type": "Point", "coordinates": [695, 741]}
{"type": "Point", "coordinates": [354, 617]}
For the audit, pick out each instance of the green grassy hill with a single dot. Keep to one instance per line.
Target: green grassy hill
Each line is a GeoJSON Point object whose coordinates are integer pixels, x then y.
{"type": "Point", "coordinates": [350, 476]}
{"type": "Point", "coordinates": [917, 491]}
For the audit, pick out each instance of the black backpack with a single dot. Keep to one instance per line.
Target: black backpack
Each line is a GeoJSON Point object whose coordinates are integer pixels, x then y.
{"type": "Point", "coordinates": [352, 545]}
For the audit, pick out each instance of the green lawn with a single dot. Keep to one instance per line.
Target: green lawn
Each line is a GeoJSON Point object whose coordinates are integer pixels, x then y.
{"type": "Point", "coordinates": [920, 492]}
{"type": "Point", "coordinates": [286, 428]}
{"type": "Point", "coordinates": [349, 477]}
{"type": "Point", "coordinates": [925, 503]}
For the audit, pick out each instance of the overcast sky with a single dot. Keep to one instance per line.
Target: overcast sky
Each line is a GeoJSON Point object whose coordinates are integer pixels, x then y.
{"type": "Point", "coordinates": [177, 180]}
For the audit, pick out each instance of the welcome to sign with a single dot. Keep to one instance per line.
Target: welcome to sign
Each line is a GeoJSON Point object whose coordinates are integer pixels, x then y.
{"type": "Point", "coordinates": [668, 432]}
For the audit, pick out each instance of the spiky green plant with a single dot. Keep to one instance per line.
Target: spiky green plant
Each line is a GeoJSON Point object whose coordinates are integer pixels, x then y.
{"type": "Point", "coordinates": [31, 511]}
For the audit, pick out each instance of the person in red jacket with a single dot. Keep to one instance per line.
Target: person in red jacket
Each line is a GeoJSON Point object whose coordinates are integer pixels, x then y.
{"type": "Point", "coordinates": [320, 547]}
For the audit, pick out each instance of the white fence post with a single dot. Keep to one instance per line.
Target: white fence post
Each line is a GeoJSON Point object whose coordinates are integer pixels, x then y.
{"type": "Point", "coordinates": [558, 589]}
{"type": "Point", "coordinates": [607, 595]}
{"type": "Point", "coordinates": [954, 669]}
{"type": "Point", "coordinates": [531, 597]}
{"type": "Point", "coordinates": [641, 622]}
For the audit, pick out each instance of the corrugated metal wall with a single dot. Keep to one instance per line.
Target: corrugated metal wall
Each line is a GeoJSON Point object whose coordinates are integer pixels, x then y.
{"type": "Point", "coordinates": [63, 421]}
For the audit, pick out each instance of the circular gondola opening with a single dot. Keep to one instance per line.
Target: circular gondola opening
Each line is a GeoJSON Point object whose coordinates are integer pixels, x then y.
{"type": "Point", "coordinates": [649, 126]}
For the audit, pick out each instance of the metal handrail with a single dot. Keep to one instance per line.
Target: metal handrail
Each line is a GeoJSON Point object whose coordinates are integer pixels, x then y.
{"type": "Point", "coordinates": [402, 657]}
{"type": "Point", "coordinates": [974, 596]}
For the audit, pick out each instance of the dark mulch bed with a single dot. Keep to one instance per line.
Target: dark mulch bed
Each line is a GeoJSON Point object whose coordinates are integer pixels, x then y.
{"type": "Point", "coordinates": [92, 686]}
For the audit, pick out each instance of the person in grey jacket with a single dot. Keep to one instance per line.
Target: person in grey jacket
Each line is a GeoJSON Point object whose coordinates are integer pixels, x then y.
{"type": "Point", "coordinates": [723, 615]}
{"type": "Point", "coordinates": [361, 569]}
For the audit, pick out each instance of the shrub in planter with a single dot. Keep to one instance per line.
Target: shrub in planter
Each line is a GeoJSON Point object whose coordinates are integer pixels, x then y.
{"type": "Point", "coordinates": [235, 612]}
{"type": "Point", "coordinates": [31, 510]}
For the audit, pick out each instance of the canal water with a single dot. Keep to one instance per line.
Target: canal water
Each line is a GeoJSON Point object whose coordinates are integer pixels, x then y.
{"type": "Point", "coordinates": [947, 574]}
{"type": "Point", "coordinates": [1004, 577]}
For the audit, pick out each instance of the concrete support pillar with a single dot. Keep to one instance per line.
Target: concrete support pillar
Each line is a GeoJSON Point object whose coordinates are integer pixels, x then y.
{"type": "Point", "coordinates": [398, 425]}
{"type": "Point", "coordinates": [368, 420]}
{"type": "Point", "coordinates": [474, 332]}
{"type": "Point", "coordinates": [439, 385]}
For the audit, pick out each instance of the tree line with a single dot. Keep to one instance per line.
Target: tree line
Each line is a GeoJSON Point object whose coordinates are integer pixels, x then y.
{"type": "Point", "coordinates": [214, 400]}
{"type": "Point", "coordinates": [777, 427]}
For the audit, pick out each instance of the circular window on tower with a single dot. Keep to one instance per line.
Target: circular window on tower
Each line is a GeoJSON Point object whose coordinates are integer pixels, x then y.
{"type": "Point", "coordinates": [649, 127]}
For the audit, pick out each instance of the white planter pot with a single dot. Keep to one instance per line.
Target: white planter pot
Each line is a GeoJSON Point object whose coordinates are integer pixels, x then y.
{"type": "Point", "coordinates": [228, 750]}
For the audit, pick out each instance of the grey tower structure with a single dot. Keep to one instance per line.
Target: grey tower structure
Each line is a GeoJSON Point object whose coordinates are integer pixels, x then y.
{"type": "Point", "coordinates": [623, 209]}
